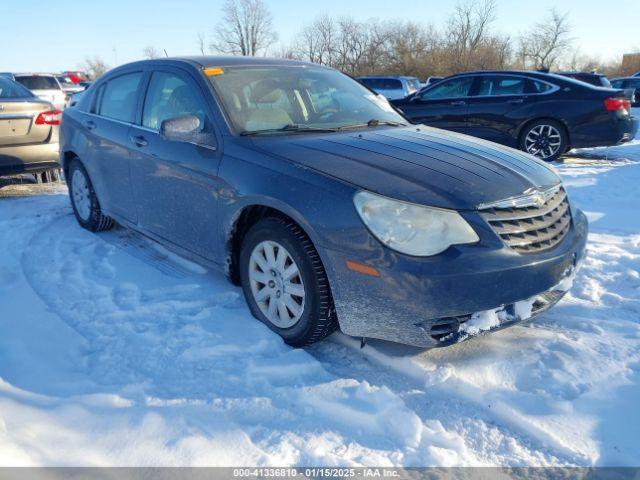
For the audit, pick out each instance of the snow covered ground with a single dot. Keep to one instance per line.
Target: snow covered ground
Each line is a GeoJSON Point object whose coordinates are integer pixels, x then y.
{"type": "Point", "coordinates": [115, 352]}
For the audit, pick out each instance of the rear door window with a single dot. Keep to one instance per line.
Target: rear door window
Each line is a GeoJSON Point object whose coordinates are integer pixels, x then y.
{"type": "Point", "coordinates": [119, 96]}
{"type": "Point", "coordinates": [454, 88]}
{"type": "Point", "coordinates": [494, 86]}
{"type": "Point", "coordinates": [38, 82]}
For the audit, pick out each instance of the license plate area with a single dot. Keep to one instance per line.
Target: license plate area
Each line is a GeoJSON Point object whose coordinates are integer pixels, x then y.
{"type": "Point", "coordinates": [14, 127]}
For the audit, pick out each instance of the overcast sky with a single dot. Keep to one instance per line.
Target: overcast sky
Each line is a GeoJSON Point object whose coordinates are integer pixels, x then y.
{"type": "Point", "coordinates": [50, 35]}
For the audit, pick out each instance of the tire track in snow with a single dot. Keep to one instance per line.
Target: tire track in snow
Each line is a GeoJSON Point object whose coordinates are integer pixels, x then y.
{"type": "Point", "coordinates": [435, 394]}
{"type": "Point", "coordinates": [151, 335]}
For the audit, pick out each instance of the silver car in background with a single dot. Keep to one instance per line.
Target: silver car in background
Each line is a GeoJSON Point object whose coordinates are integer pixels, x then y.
{"type": "Point", "coordinates": [390, 86]}
{"type": "Point", "coordinates": [28, 131]}
{"type": "Point", "coordinates": [45, 86]}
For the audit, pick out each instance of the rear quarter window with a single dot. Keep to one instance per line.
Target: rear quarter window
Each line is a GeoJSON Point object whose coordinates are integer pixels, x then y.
{"type": "Point", "coordinates": [540, 87]}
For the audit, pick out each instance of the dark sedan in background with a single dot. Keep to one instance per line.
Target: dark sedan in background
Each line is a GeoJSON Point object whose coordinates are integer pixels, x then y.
{"type": "Point", "coordinates": [542, 114]}
{"type": "Point", "coordinates": [629, 83]}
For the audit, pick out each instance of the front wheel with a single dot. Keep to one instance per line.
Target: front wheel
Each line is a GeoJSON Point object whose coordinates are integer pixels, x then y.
{"type": "Point", "coordinates": [545, 139]}
{"type": "Point", "coordinates": [284, 282]}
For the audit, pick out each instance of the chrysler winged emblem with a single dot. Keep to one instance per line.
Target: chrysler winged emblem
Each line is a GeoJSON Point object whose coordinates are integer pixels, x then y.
{"type": "Point", "coordinates": [538, 200]}
{"type": "Point", "coordinates": [531, 197]}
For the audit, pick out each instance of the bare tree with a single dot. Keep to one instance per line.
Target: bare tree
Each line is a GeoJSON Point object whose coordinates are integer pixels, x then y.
{"type": "Point", "coordinates": [287, 52]}
{"type": "Point", "coordinates": [245, 29]}
{"type": "Point", "coordinates": [318, 42]}
{"type": "Point", "coordinates": [468, 30]}
{"type": "Point", "coordinates": [94, 66]}
{"type": "Point", "coordinates": [542, 47]}
{"type": "Point", "coordinates": [150, 53]}
{"type": "Point", "coordinates": [411, 48]}
{"type": "Point", "coordinates": [202, 43]}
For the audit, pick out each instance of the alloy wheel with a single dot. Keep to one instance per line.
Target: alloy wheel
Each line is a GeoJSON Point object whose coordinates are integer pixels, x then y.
{"type": "Point", "coordinates": [276, 284]}
{"type": "Point", "coordinates": [543, 141]}
{"type": "Point", "coordinates": [81, 194]}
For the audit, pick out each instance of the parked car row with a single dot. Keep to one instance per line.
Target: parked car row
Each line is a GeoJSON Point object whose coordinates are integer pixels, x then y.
{"type": "Point", "coordinates": [321, 199]}
{"type": "Point", "coordinates": [54, 88]}
{"type": "Point", "coordinates": [31, 107]}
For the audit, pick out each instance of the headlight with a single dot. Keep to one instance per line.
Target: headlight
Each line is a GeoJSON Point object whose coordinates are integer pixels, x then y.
{"type": "Point", "coordinates": [412, 229]}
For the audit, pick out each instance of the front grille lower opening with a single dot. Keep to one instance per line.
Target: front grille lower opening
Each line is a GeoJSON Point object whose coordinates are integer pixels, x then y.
{"type": "Point", "coordinates": [443, 327]}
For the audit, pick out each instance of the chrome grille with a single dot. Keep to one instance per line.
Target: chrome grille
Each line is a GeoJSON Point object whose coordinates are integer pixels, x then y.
{"type": "Point", "coordinates": [532, 228]}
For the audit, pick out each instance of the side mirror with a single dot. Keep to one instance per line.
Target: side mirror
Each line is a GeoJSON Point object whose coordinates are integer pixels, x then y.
{"type": "Point", "coordinates": [188, 129]}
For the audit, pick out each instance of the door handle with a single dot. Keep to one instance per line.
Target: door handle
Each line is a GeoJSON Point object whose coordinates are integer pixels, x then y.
{"type": "Point", "coordinates": [458, 103]}
{"type": "Point", "coordinates": [138, 140]}
{"type": "Point", "coordinates": [516, 100]}
{"type": "Point", "coordinates": [89, 124]}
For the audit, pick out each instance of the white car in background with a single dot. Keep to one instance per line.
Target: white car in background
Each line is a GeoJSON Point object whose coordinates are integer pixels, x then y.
{"type": "Point", "coordinates": [393, 87]}
{"type": "Point", "coordinates": [45, 86]}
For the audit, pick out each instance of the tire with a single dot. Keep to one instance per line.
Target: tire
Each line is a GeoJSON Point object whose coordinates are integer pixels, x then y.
{"type": "Point", "coordinates": [317, 318]}
{"type": "Point", "coordinates": [84, 201]}
{"type": "Point", "coordinates": [544, 139]}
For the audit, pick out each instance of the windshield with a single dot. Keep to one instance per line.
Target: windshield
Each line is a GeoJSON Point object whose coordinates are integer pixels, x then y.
{"type": "Point", "coordinates": [273, 97]}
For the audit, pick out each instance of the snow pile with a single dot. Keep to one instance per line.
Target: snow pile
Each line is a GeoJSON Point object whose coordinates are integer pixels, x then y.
{"type": "Point", "coordinates": [114, 352]}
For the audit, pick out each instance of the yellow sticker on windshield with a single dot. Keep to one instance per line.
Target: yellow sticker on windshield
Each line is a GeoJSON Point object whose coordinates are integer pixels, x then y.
{"type": "Point", "coordinates": [213, 71]}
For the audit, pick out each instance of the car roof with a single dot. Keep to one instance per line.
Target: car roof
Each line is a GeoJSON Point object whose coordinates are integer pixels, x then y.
{"type": "Point", "coordinates": [34, 74]}
{"type": "Point", "coordinates": [525, 73]}
{"type": "Point", "coordinates": [507, 72]}
{"type": "Point", "coordinates": [200, 62]}
{"type": "Point", "coordinates": [588, 74]}
{"type": "Point", "coordinates": [221, 61]}
{"type": "Point", "coordinates": [625, 78]}
{"type": "Point", "coordinates": [395, 77]}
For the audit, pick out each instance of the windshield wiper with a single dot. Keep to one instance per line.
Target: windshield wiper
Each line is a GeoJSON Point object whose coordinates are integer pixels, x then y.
{"type": "Point", "coordinates": [374, 122]}
{"type": "Point", "coordinates": [292, 127]}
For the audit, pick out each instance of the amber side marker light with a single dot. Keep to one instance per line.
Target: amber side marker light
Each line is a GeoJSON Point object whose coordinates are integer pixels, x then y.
{"type": "Point", "coordinates": [213, 71]}
{"type": "Point", "coordinates": [361, 268]}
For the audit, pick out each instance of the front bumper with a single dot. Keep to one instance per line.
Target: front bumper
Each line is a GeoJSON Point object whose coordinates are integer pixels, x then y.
{"type": "Point", "coordinates": [412, 295]}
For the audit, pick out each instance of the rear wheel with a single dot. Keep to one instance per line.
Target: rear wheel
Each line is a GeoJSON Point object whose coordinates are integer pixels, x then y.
{"type": "Point", "coordinates": [284, 282]}
{"type": "Point", "coordinates": [84, 200]}
{"type": "Point", "coordinates": [545, 139]}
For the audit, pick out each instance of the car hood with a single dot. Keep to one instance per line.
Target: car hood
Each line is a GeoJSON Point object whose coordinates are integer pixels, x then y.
{"type": "Point", "coordinates": [417, 164]}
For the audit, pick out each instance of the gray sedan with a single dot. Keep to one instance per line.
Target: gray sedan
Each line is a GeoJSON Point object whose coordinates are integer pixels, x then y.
{"type": "Point", "coordinates": [28, 131]}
